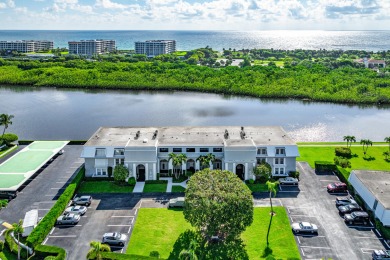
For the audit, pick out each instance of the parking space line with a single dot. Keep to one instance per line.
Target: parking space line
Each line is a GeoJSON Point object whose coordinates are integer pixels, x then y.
{"type": "Point", "coordinates": [303, 253]}
{"type": "Point", "coordinates": [122, 216]}
{"type": "Point", "coordinates": [132, 221]}
{"type": "Point", "coordinates": [369, 237]}
{"type": "Point", "coordinates": [57, 188]}
{"type": "Point", "coordinates": [44, 209]}
{"type": "Point", "coordinates": [299, 241]}
{"type": "Point", "coordinates": [327, 180]}
{"type": "Point", "coordinates": [44, 242]}
{"type": "Point", "coordinates": [367, 250]}
{"type": "Point", "coordinates": [51, 232]}
{"type": "Point", "coordinates": [360, 227]}
{"type": "Point", "coordinates": [377, 232]}
{"type": "Point", "coordinates": [61, 181]}
{"type": "Point", "coordinates": [118, 225]}
{"type": "Point", "coordinates": [318, 247]}
{"type": "Point", "coordinates": [388, 246]}
{"type": "Point", "coordinates": [311, 236]}
{"type": "Point", "coordinates": [128, 231]}
{"type": "Point", "coordinates": [63, 236]}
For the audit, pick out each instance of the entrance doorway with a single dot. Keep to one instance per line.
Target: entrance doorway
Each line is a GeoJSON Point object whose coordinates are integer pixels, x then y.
{"type": "Point", "coordinates": [240, 171]}
{"type": "Point", "coordinates": [140, 172]}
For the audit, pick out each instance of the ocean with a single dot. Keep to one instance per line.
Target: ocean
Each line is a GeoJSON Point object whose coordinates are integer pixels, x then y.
{"type": "Point", "coordinates": [218, 40]}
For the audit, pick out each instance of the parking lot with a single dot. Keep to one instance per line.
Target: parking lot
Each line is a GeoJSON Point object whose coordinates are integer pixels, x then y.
{"type": "Point", "coordinates": [311, 202]}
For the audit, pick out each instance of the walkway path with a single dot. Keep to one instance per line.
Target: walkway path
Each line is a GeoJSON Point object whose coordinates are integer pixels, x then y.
{"type": "Point", "coordinates": [170, 183]}
{"type": "Point", "coordinates": [139, 187]}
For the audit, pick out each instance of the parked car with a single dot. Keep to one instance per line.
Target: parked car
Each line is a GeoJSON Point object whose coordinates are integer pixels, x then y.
{"type": "Point", "coordinates": [83, 200]}
{"type": "Point", "coordinates": [380, 254]}
{"type": "Point", "coordinates": [76, 210]}
{"type": "Point", "coordinates": [304, 227]}
{"type": "Point", "coordinates": [341, 201]}
{"type": "Point", "coordinates": [116, 239]}
{"type": "Point", "coordinates": [9, 195]}
{"type": "Point", "coordinates": [68, 219]}
{"type": "Point", "coordinates": [288, 181]}
{"type": "Point", "coordinates": [337, 187]}
{"type": "Point", "coordinates": [357, 217]}
{"type": "Point", "coordinates": [349, 208]}
{"type": "Point", "coordinates": [177, 202]}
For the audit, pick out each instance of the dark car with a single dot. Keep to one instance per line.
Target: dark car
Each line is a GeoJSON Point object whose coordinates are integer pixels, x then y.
{"type": "Point", "coordinates": [83, 200]}
{"type": "Point", "coordinates": [349, 208]}
{"type": "Point", "coordinates": [9, 195]}
{"type": "Point", "coordinates": [337, 187]}
{"type": "Point", "coordinates": [357, 217]}
{"type": "Point", "coordinates": [380, 254]}
{"type": "Point", "coordinates": [342, 201]}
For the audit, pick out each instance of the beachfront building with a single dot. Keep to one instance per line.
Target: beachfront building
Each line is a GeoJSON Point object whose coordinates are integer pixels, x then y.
{"type": "Point", "coordinates": [145, 150]}
{"type": "Point", "coordinates": [155, 47]}
{"type": "Point", "coordinates": [26, 46]}
{"type": "Point", "coordinates": [374, 188]}
{"type": "Point", "coordinates": [371, 63]}
{"type": "Point", "coordinates": [91, 47]}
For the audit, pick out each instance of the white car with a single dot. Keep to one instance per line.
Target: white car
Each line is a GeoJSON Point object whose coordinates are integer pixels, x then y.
{"type": "Point", "coordinates": [114, 239]}
{"type": "Point", "coordinates": [288, 181]}
{"type": "Point", "coordinates": [177, 202]}
{"type": "Point", "coordinates": [68, 219]}
{"type": "Point", "coordinates": [76, 210]}
{"type": "Point", "coordinates": [304, 227]}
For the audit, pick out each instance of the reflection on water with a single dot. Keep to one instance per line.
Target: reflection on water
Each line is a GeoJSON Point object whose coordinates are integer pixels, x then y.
{"type": "Point", "coordinates": [71, 114]}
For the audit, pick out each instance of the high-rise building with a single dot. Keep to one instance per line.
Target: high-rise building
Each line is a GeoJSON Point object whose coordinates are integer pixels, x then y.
{"type": "Point", "coordinates": [90, 47]}
{"type": "Point", "coordinates": [26, 45]}
{"type": "Point", "coordinates": [155, 47]}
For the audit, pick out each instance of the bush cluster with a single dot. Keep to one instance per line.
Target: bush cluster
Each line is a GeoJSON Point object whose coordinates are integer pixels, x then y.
{"type": "Point", "coordinates": [45, 225]}
{"type": "Point", "coordinates": [44, 251]}
{"type": "Point", "coordinates": [294, 174]}
{"type": "Point", "coordinates": [8, 138]}
{"type": "Point", "coordinates": [118, 256]}
{"type": "Point", "coordinates": [343, 152]}
{"type": "Point", "coordinates": [343, 162]}
{"type": "Point", "coordinates": [324, 166]}
{"type": "Point", "coordinates": [3, 203]}
{"type": "Point", "coordinates": [131, 181]}
{"type": "Point", "coordinates": [13, 246]}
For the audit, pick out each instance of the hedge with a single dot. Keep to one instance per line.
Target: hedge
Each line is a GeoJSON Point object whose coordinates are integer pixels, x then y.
{"type": "Point", "coordinates": [324, 166]}
{"type": "Point", "coordinates": [156, 182]}
{"type": "Point", "coordinates": [43, 251]}
{"type": "Point", "coordinates": [1, 246]}
{"type": "Point", "coordinates": [118, 256]}
{"type": "Point", "coordinates": [45, 225]}
{"type": "Point", "coordinates": [343, 152]}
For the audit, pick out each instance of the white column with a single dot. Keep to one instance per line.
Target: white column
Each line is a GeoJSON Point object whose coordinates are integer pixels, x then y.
{"type": "Point", "coordinates": [253, 176]}
{"type": "Point", "coordinates": [183, 166]}
{"type": "Point", "coordinates": [170, 166]}
{"type": "Point", "coordinates": [211, 166]}
{"type": "Point", "coordinates": [197, 167]}
{"type": "Point", "coordinates": [246, 171]}
{"type": "Point", "coordinates": [154, 172]}
{"type": "Point", "coordinates": [226, 166]}
{"type": "Point", "coordinates": [146, 171]}
{"type": "Point", "coordinates": [234, 168]}
{"type": "Point", "coordinates": [158, 165]}
{"type": "Point", "coordinates": [134, 172]}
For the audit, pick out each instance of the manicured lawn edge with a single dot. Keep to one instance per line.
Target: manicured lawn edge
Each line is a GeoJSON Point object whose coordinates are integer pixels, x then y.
{"type": "Point", "coordinates": [7, 151]}
{"type": "Point", "coordinates": [104, 187]}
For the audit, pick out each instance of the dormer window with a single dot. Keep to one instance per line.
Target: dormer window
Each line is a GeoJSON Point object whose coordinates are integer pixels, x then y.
{"type": "Point", "coordinates": [100, 152]}
{"type": "Point", "coordinates": [280, 151]}
{"type": "Point", "coordinates": [262, 151]}
{"type": "Point", "coordinates": [119, 151]}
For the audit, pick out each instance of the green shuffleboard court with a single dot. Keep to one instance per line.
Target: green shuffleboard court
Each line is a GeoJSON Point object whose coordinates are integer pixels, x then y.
{"type": "Point", "coordinates": [17, 169]}
{"type": "Point", "coordinates": [10, 180]}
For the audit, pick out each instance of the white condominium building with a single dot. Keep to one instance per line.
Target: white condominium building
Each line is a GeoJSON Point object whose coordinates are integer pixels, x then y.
{"type": "Point", "coordinates": [145, 150]}
{"type": "Point", "coordinates": [26, 45]}
{"type": "Point", "coordinates": [90, 47]}
{"type": "Point", "coordinates": [155, 47]}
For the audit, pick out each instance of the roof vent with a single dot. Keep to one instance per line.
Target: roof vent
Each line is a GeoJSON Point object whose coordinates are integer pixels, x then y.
{"type": "Point", "coordinates": [226, 134]}
{"type": "Point", "coordinates": [137, 135]}
{"type": "Point", "coordinates": [145, 140]}
{"type": "Point", "coordinates": [155, 134]}
{"type": "Point", "coordinates": [242, 133]}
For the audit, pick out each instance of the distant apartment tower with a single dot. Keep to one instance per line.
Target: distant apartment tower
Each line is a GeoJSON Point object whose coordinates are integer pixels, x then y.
{"type": "Point", "coordinates": [26, 46]}
{"type": "Point", "coordinates": [155, 47]}
{"type": "Point", "coordinates": [90, 47]}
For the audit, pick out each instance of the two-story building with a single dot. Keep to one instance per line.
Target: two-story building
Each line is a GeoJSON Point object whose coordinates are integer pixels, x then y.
{"type": "Point", "coordinates": [145, 150]}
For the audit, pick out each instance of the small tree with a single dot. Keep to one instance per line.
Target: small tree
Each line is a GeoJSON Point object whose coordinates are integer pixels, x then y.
{"type": "Point", "coordinates": [263, 170]}
{"type": "Point", "coordinates": [349, 139]}
{"type": "Point", "coordinates": [96, 250]}
{"type": "Point", "coordinates": [218, 203]}
{"type": "Point", "coordinates": [365, 143]}
{"type": "Point", "coordinates": [6, 120]}
{"type": "Point", "coordinates": [190, 253]}
{"type": "Point", "coordinates": [9, 138]}
{"type": "Point", "coordinates": [177, 162]}
{"type": "Point", "coordinates": [387, 140]}
{"type": "Point", "coordinates": [120, 173]}
{"type": "Point", "coordinates": [386, 154]}
{"type": "Point", "coordinates": [205, 160]}
{"type": "Point", "coordinates": [18, 230]}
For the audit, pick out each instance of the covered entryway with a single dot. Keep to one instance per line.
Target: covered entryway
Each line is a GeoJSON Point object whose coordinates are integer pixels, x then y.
{"type": "Point", "coordinates": [140, 172]}
{"type": "Point", "coordinates": [240, 171]}
{"type": "Point", "coordinates": [190, 165]}
{"type": "Point", "coordinates": [164, 166]}
{"type": "Point", "coordinates": [217, 164]}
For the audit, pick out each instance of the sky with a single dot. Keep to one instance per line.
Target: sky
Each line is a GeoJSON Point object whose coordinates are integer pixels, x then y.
{"type": "Point", "coordinates": [195, 15]}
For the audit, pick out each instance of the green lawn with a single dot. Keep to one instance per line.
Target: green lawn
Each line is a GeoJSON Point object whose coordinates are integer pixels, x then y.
{"type": "Point", "coordinates": [158, 229]}
{"type": "Point", "coordinates": [178, 189]}
{"type": "Point", "coordinates": [103, 187]}
{"type": "Point", "coordinates": [155, 187]}
{"type": "Point", "coordinates": [7, 150]}
{"type": "Point", "coordinates": [257, 187]}
{"type": "Point", "coordinates": [9, 180]}
{"type": "Point", "coordinates": [281, 238]}
{"type": "Point", "coordinates": [47, 145]}
{"type": "Point", "coordinates": [311, 154]}
{"type": "Point", "coordinates": [25, 161]}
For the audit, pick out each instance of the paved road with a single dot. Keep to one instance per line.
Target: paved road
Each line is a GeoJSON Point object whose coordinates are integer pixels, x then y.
{"type": "Point", "coordinates": [42, 191]}
{"type": "Point", "coordinates": [311, 202]}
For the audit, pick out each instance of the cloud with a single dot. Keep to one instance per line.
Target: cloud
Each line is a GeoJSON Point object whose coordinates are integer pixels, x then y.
{"type": "Point", "coordinates": [3, 5]}
{"type": "Point", "coordinates": [11, 4]}
{"type": "Point", "coordinates": [108, 4]}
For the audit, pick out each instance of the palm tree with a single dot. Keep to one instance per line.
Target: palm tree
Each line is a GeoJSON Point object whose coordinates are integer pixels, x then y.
{"type": "Point", "coordinates": [365, 143]}
{"type": "Point", "coordinates": [96, 250]}
{"type": "Point", "coordinates": [349, 139]}
{"type": "Point", "coordinates": [272, 189]}
{"type": "Point", "coordinates": [18, 230]}
{"type": "Point", "coordinates": [5, 120]}
{"type": "Point", "coordinates": [205, 160]}
{"type": "Point", "coordinates": [177, 161]}
{"type": "Point", "coordinates": [189, 254]}
{"type": "Point", "coordinates": [387, 140]}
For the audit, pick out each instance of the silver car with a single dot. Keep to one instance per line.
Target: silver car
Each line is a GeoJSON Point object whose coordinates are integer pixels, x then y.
{"type": "Point", "coordinates": [76, 210]}
{"type": "Point", "coordinates": [114, 239]}
{"type": "Point", "coordinates": [304, 227]}
{"type": "Point", "coordinates": [68, 219]}
{"type": "Point", "coordinates": [177, 202]}
{"type": "Point", "coordinates": [288, 181]}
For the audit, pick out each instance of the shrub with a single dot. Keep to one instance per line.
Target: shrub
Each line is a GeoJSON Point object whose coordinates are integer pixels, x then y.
{"type": "Point", "coordinates": [131, 181]}
{"type": "Point", "coordinates": [13, 246]}
{"type": "Point", "coordinates": [45, 225]}
{"type": "Point", "coordinates": [343, 162]}
{"type": "Point", "coordinates": [49, 252]}
{"type": "Point", "coordinates": [1, 246]}
{"type": "Point", "coordinates": [155, 254]}
{"type": "Point", "coordinates": [120, 173]}
{"type": "Point", "coordinates": [156, 182]}
{"type": "Point", "coordinates": [294, 174]}
{"type": "Point", "coordinates": [324, 166]}
{"type": "Point", "coordinates": [118, 256]}
{"type": "Point", "coordinates": [251, 181]}
{"type": "Point", "coordinates": [9, 138]}
{"type": "Point", "coordinates": [3, 203]}
{"type": "Point", "coordinates": [343, 152]}
{"type": "Point", "coordinates": [103, 179]}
